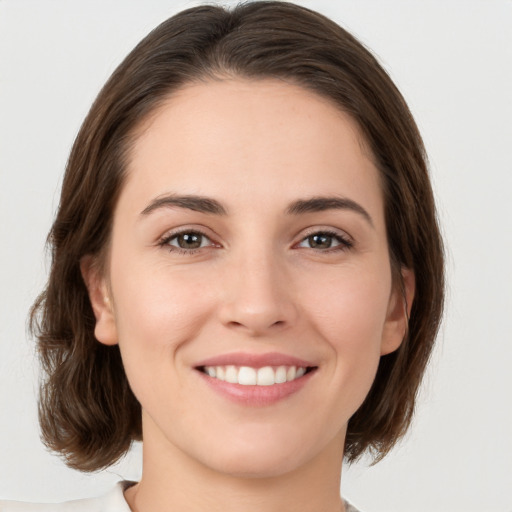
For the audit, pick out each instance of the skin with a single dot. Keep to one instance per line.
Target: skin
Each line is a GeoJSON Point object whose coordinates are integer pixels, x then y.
{"type": "Point", "coordinates": [255, 286]}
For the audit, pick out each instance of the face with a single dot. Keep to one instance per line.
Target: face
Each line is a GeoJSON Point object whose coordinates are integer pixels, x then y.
{"type": "Point", "coordinates": [249, 284]}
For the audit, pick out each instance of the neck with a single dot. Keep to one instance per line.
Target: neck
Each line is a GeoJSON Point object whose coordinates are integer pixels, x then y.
{"type": "Point", "coordinates": [173, 480]}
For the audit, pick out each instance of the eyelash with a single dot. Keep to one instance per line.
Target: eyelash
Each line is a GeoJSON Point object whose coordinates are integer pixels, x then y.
{"type": "Point", "coordinates": [166, 241]}
{"type": "Point", "coordinates": [344, 242]}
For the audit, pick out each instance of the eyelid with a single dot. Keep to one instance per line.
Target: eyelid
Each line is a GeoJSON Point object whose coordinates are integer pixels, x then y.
{"type": "Point", "coordinates": [345, 240]}
{"type": "Point", "coordinates": [163, 241]}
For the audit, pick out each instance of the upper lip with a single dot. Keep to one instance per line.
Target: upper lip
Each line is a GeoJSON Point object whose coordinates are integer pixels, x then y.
{"type": "Point", "coordinates": [254, 360]}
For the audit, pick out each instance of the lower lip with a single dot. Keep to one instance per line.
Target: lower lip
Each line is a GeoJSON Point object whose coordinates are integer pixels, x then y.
{"type": "Point", "coordinates": [255, 396]}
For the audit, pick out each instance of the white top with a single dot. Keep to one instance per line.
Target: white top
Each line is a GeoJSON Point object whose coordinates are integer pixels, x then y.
{"type": "Point", "coordinates": [113, 501]}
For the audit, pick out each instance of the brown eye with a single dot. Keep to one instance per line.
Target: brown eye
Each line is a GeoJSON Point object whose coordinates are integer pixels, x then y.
{"type": "Point", "coordinates": [188, 240]}
{"type": "Point", "coordinates": [320, 241]}
{"type": "Point", "coordinates": [323, 240]}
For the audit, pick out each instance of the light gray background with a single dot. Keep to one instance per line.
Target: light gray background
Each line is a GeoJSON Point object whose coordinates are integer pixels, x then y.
{"type": "Point", "coordinates": [453, 62]}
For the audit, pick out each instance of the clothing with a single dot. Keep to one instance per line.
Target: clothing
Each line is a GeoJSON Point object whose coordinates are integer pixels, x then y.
{"type": "Point", "coordinates": [348, 507]}
{"type": "Point", "coordinates": [113, 501]}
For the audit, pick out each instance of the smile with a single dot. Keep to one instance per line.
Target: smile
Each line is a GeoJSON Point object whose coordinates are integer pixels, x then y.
{"type": "Point", "coordinates": [249, 376]}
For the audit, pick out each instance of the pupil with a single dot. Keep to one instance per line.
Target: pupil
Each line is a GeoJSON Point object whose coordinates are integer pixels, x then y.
{"type": "Point", "coordinates": [189, 241]}
{"type": "Point", "coordinates": [320, 241]}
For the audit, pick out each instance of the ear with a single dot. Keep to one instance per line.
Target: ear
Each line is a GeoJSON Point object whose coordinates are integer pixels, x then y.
{"type": "Point", "coordinates": [399, 309]}
{"type": "Point", "coordinates": [105, 330]}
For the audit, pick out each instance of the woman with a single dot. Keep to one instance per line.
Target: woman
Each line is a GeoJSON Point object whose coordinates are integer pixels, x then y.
{"type": "Point", "coordinates": [247, 271]}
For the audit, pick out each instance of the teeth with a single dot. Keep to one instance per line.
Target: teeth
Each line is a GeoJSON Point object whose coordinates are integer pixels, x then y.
{"type": "Point", "coordinates": [280, 375]}
{"type": "Point", "coordinates": [231, 375]}
{"type": "Point", "coordinates": [266, 376]}
{"type": "Point", "coordinates": [247, 376]}
{"type": "Point", "coordinates": [220, 373]}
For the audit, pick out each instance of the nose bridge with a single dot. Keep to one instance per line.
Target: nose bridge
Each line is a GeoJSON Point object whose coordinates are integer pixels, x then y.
{"type": "Point", "coordinates": [258, 293]}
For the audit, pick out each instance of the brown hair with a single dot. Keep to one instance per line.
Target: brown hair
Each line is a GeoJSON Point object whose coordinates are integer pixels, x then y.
{"type": "Point", "coordinates": [87, 411]}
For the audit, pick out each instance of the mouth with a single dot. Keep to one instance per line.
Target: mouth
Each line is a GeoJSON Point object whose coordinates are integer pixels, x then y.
{"type": "Point", "coordinates": [252, 376]}
{"type": "Point", "coordinates": [257, 380]}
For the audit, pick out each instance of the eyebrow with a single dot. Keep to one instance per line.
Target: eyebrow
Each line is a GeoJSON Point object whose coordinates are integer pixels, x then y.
{"type": "Point", "coordinates": [190, 202]}
{"type": "Point", "coordinates": [209, 205]}
{"type": "Point", "coordinates": [320, 204]}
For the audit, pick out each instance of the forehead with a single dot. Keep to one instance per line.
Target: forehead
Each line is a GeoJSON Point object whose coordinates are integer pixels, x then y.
{"type": "Point", "coordinates": [250, 104]}
{"type": "Point", "coordinates": [256, 136]}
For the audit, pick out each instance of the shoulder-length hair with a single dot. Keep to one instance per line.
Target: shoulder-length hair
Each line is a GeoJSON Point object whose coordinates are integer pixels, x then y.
{"type": "Point", "coordinates": [87, 410]}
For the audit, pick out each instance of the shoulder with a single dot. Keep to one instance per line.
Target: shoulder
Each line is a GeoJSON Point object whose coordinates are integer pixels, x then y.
{"type": "Point", "coordinates": [113, 501]}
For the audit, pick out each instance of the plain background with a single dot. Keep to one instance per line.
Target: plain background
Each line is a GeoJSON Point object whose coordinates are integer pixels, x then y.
{"type": "Point", "coordinates": [453, 62]}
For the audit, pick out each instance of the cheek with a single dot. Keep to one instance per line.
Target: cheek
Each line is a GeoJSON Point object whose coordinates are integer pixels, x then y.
{"type": "Point", "coordinates": [156, 301]}
{"type": "Point", "coordinates": [157, 311]}
{"type": "Point", "coordinates": [349, 314]}
{"type": "Point", "coordinates": [350, 306]}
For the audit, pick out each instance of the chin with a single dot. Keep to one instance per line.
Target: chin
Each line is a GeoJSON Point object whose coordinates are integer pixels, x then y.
{"type": "Point", "coordinates": [271, 457]}
{"type": "Point", "coordinates": [262, 466]}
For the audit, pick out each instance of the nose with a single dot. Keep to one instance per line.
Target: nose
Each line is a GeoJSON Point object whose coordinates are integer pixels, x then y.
{"type": "Point", "coordinates": [258, 296]}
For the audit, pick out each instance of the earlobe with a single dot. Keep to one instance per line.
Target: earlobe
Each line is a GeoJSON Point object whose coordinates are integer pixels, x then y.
{"type": "Point", "coordinates": [399, 310]}
{"type": "Point", "coordinates": [105, 329]}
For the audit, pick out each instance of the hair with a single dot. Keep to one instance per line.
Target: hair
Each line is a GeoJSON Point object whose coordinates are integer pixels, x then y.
{"type": "Point", "coordinates": [87, 410]}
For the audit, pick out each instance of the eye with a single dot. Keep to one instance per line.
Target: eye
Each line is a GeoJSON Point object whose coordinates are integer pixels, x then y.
{"type": "Point", "coordinates": [186, 241]}
{"type": "Point", "coordinates": [324, 240]}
